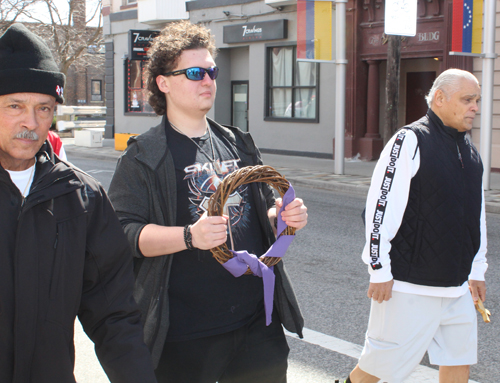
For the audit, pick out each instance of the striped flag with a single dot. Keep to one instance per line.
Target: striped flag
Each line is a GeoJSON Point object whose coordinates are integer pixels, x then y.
{"type": "Point", "coordinates": [467, 26]}
{"type": "Point", "coordinates": [314, 30]}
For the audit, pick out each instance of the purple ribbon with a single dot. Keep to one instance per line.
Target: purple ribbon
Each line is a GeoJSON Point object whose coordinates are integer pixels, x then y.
{"type": "Point", "coordinates": [242, 259]}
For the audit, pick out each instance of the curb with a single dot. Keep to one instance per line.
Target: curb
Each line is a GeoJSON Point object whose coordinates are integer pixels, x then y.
{"type": "Point", "coordinates": [359, 189]}
{"type": "Point", "coordinates": [492, 207]}
{"type": "Point", "coordinates": [92, 153]}
{"type": "Point", "coordinates": [102, 157]}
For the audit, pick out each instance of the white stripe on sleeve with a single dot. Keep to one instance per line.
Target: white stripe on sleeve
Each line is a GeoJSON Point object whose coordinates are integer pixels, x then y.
{"type": "Point", "coordinates": [387, 199]}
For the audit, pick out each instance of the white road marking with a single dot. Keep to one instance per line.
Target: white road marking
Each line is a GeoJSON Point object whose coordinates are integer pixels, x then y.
{"type": "Point", "coordinates": [421, 374]}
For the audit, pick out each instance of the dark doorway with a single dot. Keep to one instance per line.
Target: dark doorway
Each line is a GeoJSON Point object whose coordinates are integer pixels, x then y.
{"type": "Point", "coordinates": [418, 85]}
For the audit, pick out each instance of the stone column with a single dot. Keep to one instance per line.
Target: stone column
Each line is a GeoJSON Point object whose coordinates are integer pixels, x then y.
{"type": "Point", "coordinates": [373, 107]}
{"type": "Point", "coordinates": [371, 145]}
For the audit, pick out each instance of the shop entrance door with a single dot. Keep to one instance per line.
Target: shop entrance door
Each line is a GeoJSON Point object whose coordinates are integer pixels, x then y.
{"type": "Point", "coordinates": [239, 105]}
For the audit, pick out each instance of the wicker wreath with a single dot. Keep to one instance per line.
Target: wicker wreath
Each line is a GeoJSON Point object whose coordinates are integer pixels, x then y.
{"type": "Point", "coordinates": [245, 175]}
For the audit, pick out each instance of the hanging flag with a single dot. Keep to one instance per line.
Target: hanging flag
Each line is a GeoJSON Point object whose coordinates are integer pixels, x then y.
{"type": "Point", "coordinates": [314, 30]}
{"type": "Point", "coordinates": [467, 26]}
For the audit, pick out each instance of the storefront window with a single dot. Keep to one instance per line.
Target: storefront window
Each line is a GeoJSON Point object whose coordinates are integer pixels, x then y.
{"type": "Point", "coordinates": [293, 86]}
{"type": "Point", "coordinates": [136, 93]}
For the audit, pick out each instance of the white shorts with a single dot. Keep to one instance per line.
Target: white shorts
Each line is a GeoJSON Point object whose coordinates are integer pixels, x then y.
{"type": "Point", "coordinates": [402, 329]}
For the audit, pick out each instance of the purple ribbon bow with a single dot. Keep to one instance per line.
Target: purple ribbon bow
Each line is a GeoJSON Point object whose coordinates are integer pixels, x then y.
{"type": "Point", "coordinates": [242, 259]}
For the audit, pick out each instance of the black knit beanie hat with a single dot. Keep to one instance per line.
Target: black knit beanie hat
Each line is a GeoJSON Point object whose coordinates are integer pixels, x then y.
{"type": "Point", "coordinates": [27, 65]}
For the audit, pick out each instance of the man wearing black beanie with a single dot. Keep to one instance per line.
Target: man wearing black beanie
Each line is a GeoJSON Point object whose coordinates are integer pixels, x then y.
{"type": "Point", "coordinates": [62, 250]}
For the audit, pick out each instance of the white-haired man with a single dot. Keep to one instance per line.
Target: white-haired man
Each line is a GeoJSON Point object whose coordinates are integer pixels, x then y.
{"type": "Point", "coordinates": [426, 242]}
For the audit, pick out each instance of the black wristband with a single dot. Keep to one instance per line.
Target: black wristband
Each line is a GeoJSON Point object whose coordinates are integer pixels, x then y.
{"type": "Point", "coordinates": [188, 238]}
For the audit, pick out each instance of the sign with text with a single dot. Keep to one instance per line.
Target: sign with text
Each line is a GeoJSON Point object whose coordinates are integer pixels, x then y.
{"type": "Point", "coordinates": [401, 17]}
{"type": "Point", "coordinates": [264, 30]}
{"type": "Point", "coordinates": [139, 43]}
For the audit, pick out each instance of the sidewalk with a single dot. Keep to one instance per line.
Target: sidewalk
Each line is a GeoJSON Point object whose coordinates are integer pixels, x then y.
{"type": "Point", "coordinates": [313, 172]}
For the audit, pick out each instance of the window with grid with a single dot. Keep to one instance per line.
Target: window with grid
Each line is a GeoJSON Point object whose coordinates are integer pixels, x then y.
{"type": "Point", "coordinates": [293, 88]}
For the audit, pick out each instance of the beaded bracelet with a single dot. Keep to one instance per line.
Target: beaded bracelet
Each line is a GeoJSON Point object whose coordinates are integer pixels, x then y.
{"type": "Point", "coordinates": [188, 238]}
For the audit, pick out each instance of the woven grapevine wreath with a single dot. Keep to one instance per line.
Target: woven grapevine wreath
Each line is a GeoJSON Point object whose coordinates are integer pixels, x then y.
{"type": "Point", "coordinates": [245, 175]}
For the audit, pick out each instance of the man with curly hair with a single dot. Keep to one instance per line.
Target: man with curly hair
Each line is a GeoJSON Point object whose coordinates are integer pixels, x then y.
{"type": "Point", "coordinates": [201, 323]}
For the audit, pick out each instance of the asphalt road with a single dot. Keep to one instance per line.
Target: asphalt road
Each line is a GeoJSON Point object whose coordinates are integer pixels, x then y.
{"type": "Point", "coordinates": [330, 281]}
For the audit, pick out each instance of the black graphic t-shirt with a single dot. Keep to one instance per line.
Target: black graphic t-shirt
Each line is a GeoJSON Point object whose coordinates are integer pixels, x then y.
{"type": "Point", "coordinates": [205, 299]}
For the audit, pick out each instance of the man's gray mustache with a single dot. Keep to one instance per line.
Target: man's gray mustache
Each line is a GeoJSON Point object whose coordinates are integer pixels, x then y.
{"type": "Point", "coordinates": [28, 135]}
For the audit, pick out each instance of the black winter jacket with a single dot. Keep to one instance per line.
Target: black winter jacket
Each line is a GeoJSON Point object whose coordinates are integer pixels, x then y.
{"type": "Point", "coordinates": [63, 254]}
{"type": "Point", "coordinates": [143, 191]}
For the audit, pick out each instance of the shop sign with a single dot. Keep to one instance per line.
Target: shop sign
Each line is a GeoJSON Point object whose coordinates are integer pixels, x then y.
{"type": "Point", "coordinates": [139, 43]}
{"type": "Point", "coordinates": [264, 30]}
{"type": "Point", "coordinates": [428, 36]}
{"type": "Point", "coordinates": [378, 39]}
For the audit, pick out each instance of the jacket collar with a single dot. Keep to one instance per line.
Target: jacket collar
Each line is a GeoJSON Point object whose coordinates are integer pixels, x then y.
{"type": "Point", "coordinates": [49, 172]}
{"type": "Point", "coordinates": [44, 154]}
{"type": "Point", "coordinates": [153, 148]}
{"type": "Point", "coordinates": [449, 131]}
{"type": "Point", "coordinates": [44, 161]}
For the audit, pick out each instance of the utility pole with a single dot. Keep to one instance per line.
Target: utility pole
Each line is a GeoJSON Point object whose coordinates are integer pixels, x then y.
{"type": "Point", "coordinates": [340, 73]}
{"type": "Point", "coordinates": [487, 89]}
{"type": "Point", "coordinates": [392, 86]}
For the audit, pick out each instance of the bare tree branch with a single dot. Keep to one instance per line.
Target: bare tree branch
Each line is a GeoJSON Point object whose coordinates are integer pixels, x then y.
{"type": "Point", "coordinates": [69, 35]}
{"type": "Point", "coordinates": [11, 10]}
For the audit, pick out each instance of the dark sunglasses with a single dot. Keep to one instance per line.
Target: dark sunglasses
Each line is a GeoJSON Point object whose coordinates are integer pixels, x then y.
{"type": "Point", "coordinates": [196, 73]}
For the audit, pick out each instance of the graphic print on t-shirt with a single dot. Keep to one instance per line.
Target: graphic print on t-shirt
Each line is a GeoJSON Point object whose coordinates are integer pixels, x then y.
{"type": "Point", "coordinates": [203, 181]}
{"type": "Point", "coordinates": [197, 281]}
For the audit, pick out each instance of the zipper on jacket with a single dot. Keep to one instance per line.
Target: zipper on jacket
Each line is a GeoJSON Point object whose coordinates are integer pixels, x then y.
{"type": "Point", "coordinates": [460, 156]}
{"type": "Point", "coordinates": [21, 208]}
{"type": "Point", "coordinates": [57, 239]}
{"type": "Point", "coordinates": [54, 279]}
